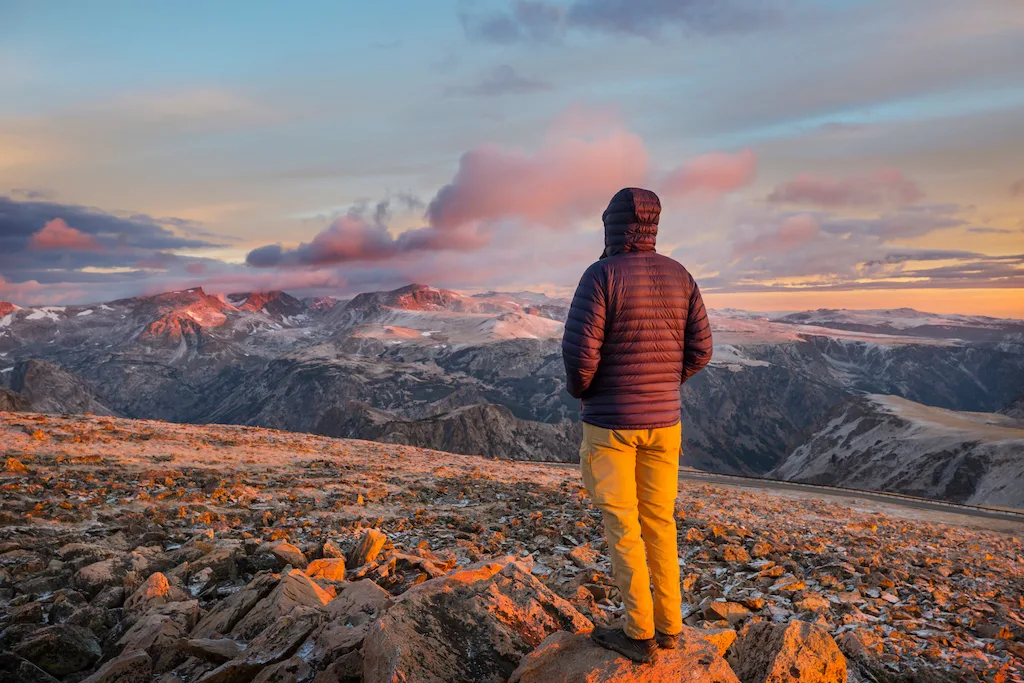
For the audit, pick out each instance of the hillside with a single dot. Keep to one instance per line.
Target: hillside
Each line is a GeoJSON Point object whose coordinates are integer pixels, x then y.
{"type": "Point", "coordinates": [1015, 409]}
{"type": "Point", "coordinates": [273, 360]}
{"type": "Point", "coordinates": [52, 389]}
{"type": "Point", "coordinates": [208, 520]}
{"type": "Point", "coordinates": [885, 443]}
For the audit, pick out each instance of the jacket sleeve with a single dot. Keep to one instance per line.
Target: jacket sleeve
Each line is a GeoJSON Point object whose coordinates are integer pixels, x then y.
{"type": "Point", "coordinates": [584, 332]}
{"type": "Point", "coordinates": [697, 337]}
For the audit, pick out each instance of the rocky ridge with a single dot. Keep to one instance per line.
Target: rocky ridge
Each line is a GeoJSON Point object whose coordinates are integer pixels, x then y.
{"type": "Point", "coordinates": [1015, 409]}
{"type": "Point", "coordinates": [885, 443]}
{"type": "Point", "coordinates": [269, 359]}
{"type": "Point", "coordinates": [52, 389]}
{"type": "Point", "coordinates": [137, 550]}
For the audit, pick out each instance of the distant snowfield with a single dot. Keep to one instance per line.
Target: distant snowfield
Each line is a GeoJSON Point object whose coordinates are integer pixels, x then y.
{"type": "Point", "coordinates": [455, 327]}
{"type": "Point", "coordinates": [49, 312]}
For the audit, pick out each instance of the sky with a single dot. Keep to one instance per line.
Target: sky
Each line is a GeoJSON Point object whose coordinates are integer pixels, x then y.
{"type": "Point", "coordinates": [808, 153]}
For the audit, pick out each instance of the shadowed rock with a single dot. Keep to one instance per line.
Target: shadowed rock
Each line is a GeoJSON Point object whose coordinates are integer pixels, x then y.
{"type": "Point", "coordinates": [222, 618]}
{"type": "Point", "coordinates": [52, 389]}
{"type": "Point", "coordinates": [131, 667]}
{"type": "Point", "coordinates": [13, 401]}
{"type": "Point", "coordinates": [294, 590]}
{"type": "Point", "coordinates": [14, 669]}
{"type": "Point", "coordinates": [275, 644]}
{"type": "Point", "coordinates": [60, 650]}
{"type": "Point", "coordinates": [474, 624]}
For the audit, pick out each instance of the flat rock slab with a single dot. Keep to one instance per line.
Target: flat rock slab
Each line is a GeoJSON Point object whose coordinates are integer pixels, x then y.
{"type": "Point", "coordinates": [332, 569]}
{"type": "Point", "coordinates": [474, 624]}
{"type": "Point", "coordinates": [217, 650]}
{"type": "Point", "coordinates": [575, 658]}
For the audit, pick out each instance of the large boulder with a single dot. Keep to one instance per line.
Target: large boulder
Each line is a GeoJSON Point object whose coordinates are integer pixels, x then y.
{"type": "Point", "coordinates": [276, 644]}
{"type": "Point", "coordinates": [60, 650]}
{"type": "Point", "coordinates": [330, 569]}
{"type": "Point", "coordinates": [229, 611]}
{"type": "Point", "coordinates": [349, 618]}
{"type": "Point", "coordinates": [294, 590]}
{"type": "Point", "coordinates": [779, 653]}
{"type": "Point", "coordinates": [575, 658]}
{"type": "Point", "coordinates": [14, 669]}
{"type": "Point", "coordinates": [155, 590]}
{"type": "Point", "coordinates": [131, 667]}
{"type": "Point", "coordinates": [288, 554]}
{"type": "Point", "coordinates": [473, 624]}
{"type": "Point", "coordinates": [359, 598]}
{"type": "Point", "coordinates": [289, 671]}
{"type": "Point", "coordinates": [158, 635]}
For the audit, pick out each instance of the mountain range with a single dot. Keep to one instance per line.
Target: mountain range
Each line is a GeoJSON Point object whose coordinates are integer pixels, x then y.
{"type": "Point", "coordinates": [482, 373]}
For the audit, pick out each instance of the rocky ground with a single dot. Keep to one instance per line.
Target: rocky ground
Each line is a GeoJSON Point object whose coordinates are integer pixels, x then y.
{"type": "Point", "coordinates": [138, 551]}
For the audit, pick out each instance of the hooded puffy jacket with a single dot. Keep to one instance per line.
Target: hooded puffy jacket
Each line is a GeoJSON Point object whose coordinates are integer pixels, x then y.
{"type": "Point", "coordinates": [637, 328]}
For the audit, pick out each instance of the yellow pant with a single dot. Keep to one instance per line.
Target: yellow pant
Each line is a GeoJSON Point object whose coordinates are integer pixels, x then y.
{"type": "Point", "coordinates": [632, 476]}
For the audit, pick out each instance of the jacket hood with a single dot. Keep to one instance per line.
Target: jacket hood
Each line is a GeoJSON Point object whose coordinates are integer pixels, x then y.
{"type": "Point", "coordinates": [631, 221]}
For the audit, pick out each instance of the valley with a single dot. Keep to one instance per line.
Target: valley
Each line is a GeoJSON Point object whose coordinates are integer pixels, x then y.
{"type": "Point", "coordinates": [482, 374]}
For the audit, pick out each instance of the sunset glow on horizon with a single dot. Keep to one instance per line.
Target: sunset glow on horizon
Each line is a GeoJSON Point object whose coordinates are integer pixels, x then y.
{"type": "Point", "coordinates": [808, 154]}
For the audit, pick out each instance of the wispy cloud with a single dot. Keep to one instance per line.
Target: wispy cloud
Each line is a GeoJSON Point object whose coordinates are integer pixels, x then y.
{"type": "Point", "coordinates": [540, 21]}
{"type": "Point", "coordinates": [712, 174]}
{"type": "Point", "coordinates": [883, 187]}
{"type": "Point", "coordinates": [500, 80]}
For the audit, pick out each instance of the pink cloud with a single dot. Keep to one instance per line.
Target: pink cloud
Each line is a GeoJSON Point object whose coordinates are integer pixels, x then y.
{"type": "Point", "coordinates": [885, 186]}
{"type": "Point", "coordinates": [32, 292]}
{"type": "Point", "coordinates": [566, 179]}
{"type": "Point", "coordinates": [352, 238]}
{"type": "Point", "coordinates": [712, 174]}
{"type": "Point", "coordinates": [57, 234]}
{"type": "Point", "coordinates": [793, 232]}
{"type": "Point", "coordinates": [1017, 188]}
{"type": "Point", "coordinates": [586, 156]}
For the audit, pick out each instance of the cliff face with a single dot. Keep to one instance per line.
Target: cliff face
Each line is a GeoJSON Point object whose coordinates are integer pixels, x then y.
{"type": "Point", "coordinates": [49, 388]}
{"type": "Point", "coordinates": [886, 443]}
{"type": "Point", "coordinates": [13, 401]}
{"type": "Point", "coordinates": [484, 429]}
{"type": "Point", "coordinates": [1015, 409]}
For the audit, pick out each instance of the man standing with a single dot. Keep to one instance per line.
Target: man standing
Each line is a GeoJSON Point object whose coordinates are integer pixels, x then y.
{"type": "Point", "coordinates": [637, 330]}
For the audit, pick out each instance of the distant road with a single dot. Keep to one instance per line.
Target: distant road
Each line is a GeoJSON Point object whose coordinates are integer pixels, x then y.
{"type": "Point", "coordinates": [887, 498]}
{"type": "Point", "coordinates": [894, 499]}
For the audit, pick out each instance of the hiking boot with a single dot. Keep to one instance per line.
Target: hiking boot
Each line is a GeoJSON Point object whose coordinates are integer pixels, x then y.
{"type": "Point", "coordinates": [665, 641]}
{"type": "Point", "coordinates": [616, 640]}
